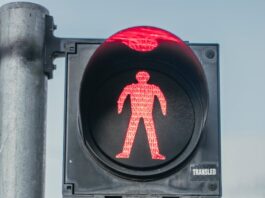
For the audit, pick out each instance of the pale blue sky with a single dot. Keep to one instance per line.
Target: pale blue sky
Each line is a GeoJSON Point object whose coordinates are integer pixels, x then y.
{"type": "Point", "coordinates": [238, 26]}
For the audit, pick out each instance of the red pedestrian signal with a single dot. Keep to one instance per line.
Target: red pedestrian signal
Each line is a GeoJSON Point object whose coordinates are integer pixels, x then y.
{"type": "Point", "coordinates": [178, 75]}
{"type": "Point", "coordinates": [142, 117]}
{"type": "Point", "coordinates": [142, 97]}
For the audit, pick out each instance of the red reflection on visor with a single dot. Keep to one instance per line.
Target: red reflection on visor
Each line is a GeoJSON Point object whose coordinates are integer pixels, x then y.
{"type": "Point", "coordinates": [142, 97]}
{"type": "Point", "coordinates": [143, 39]}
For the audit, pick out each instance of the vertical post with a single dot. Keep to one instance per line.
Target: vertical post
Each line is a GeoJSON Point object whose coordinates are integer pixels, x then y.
{"type": "Point", "coordinates": [23, 90]}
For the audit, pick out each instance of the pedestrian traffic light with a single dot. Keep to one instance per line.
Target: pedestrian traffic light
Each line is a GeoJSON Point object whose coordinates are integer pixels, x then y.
{"type": "Point", "coordinates": [142, 117]}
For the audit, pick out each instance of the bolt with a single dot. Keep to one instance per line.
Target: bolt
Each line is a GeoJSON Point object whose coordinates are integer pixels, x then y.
{"type": "Point", "coordinates": [210, 53]}
{"type": "Point", "coordinates": [212, 186]}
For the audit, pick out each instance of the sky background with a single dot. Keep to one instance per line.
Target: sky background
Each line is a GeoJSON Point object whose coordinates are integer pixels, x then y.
{"type": "Point", "coordinates": [238, 26]}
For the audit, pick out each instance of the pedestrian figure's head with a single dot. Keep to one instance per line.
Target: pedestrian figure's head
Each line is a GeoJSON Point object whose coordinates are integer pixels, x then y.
{"type": "Point", "coordinates": [142, 76]}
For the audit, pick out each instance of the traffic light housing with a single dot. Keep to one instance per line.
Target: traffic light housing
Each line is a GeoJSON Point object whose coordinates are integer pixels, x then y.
{"type": "Point", "coordinates": [142, 117]}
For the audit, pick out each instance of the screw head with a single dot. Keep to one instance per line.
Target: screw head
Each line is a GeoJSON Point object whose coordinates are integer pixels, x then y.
{"type": "Point", "coordinates": [210, 53]}
{"type": "Point", "coordinates": [212, 186]}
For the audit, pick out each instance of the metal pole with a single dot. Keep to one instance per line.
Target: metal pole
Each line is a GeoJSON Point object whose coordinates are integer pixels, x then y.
{"type": "Point", "coordinates": [23, 90]}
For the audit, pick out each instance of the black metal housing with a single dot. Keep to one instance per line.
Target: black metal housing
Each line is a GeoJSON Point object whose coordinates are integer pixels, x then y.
{"type": "Point", "coordinates": [85, 175]}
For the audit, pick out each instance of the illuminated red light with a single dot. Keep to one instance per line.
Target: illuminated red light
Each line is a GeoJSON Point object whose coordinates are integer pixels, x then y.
{"type": "Point", "coordinates": [143, 39]}
{"type": "Point", "coordinates": [142, 97]}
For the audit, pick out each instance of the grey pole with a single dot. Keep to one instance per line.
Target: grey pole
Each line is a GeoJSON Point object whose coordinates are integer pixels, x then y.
{"type": "Point", "coordinates": [23, 90]}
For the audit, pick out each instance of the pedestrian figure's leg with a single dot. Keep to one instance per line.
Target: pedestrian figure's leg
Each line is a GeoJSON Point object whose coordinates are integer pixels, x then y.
{"type": "Point", "coordinates": [130, 135]}
{"type": "Point", "coordinates": [152, 139]}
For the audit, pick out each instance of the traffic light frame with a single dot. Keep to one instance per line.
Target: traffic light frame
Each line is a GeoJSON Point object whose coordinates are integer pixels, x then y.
{"type": "Point", "coordinates": [84, 176]}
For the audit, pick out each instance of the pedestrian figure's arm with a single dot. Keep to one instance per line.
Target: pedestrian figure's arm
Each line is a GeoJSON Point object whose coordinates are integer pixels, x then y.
{"type": "Point", "coordinates": [125, 92]}
{"type": "Point", "coordinates": [162, 99]}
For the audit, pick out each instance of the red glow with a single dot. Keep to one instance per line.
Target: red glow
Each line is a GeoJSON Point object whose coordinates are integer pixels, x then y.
{"type": "Point", "coordinates": [143, 39]}
{"type": "Point", "coordinates": [142, 99]}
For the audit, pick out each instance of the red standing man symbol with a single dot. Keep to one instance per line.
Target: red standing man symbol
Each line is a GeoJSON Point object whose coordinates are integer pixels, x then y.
{"type": "Point", "coordinates": [142, 97]}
